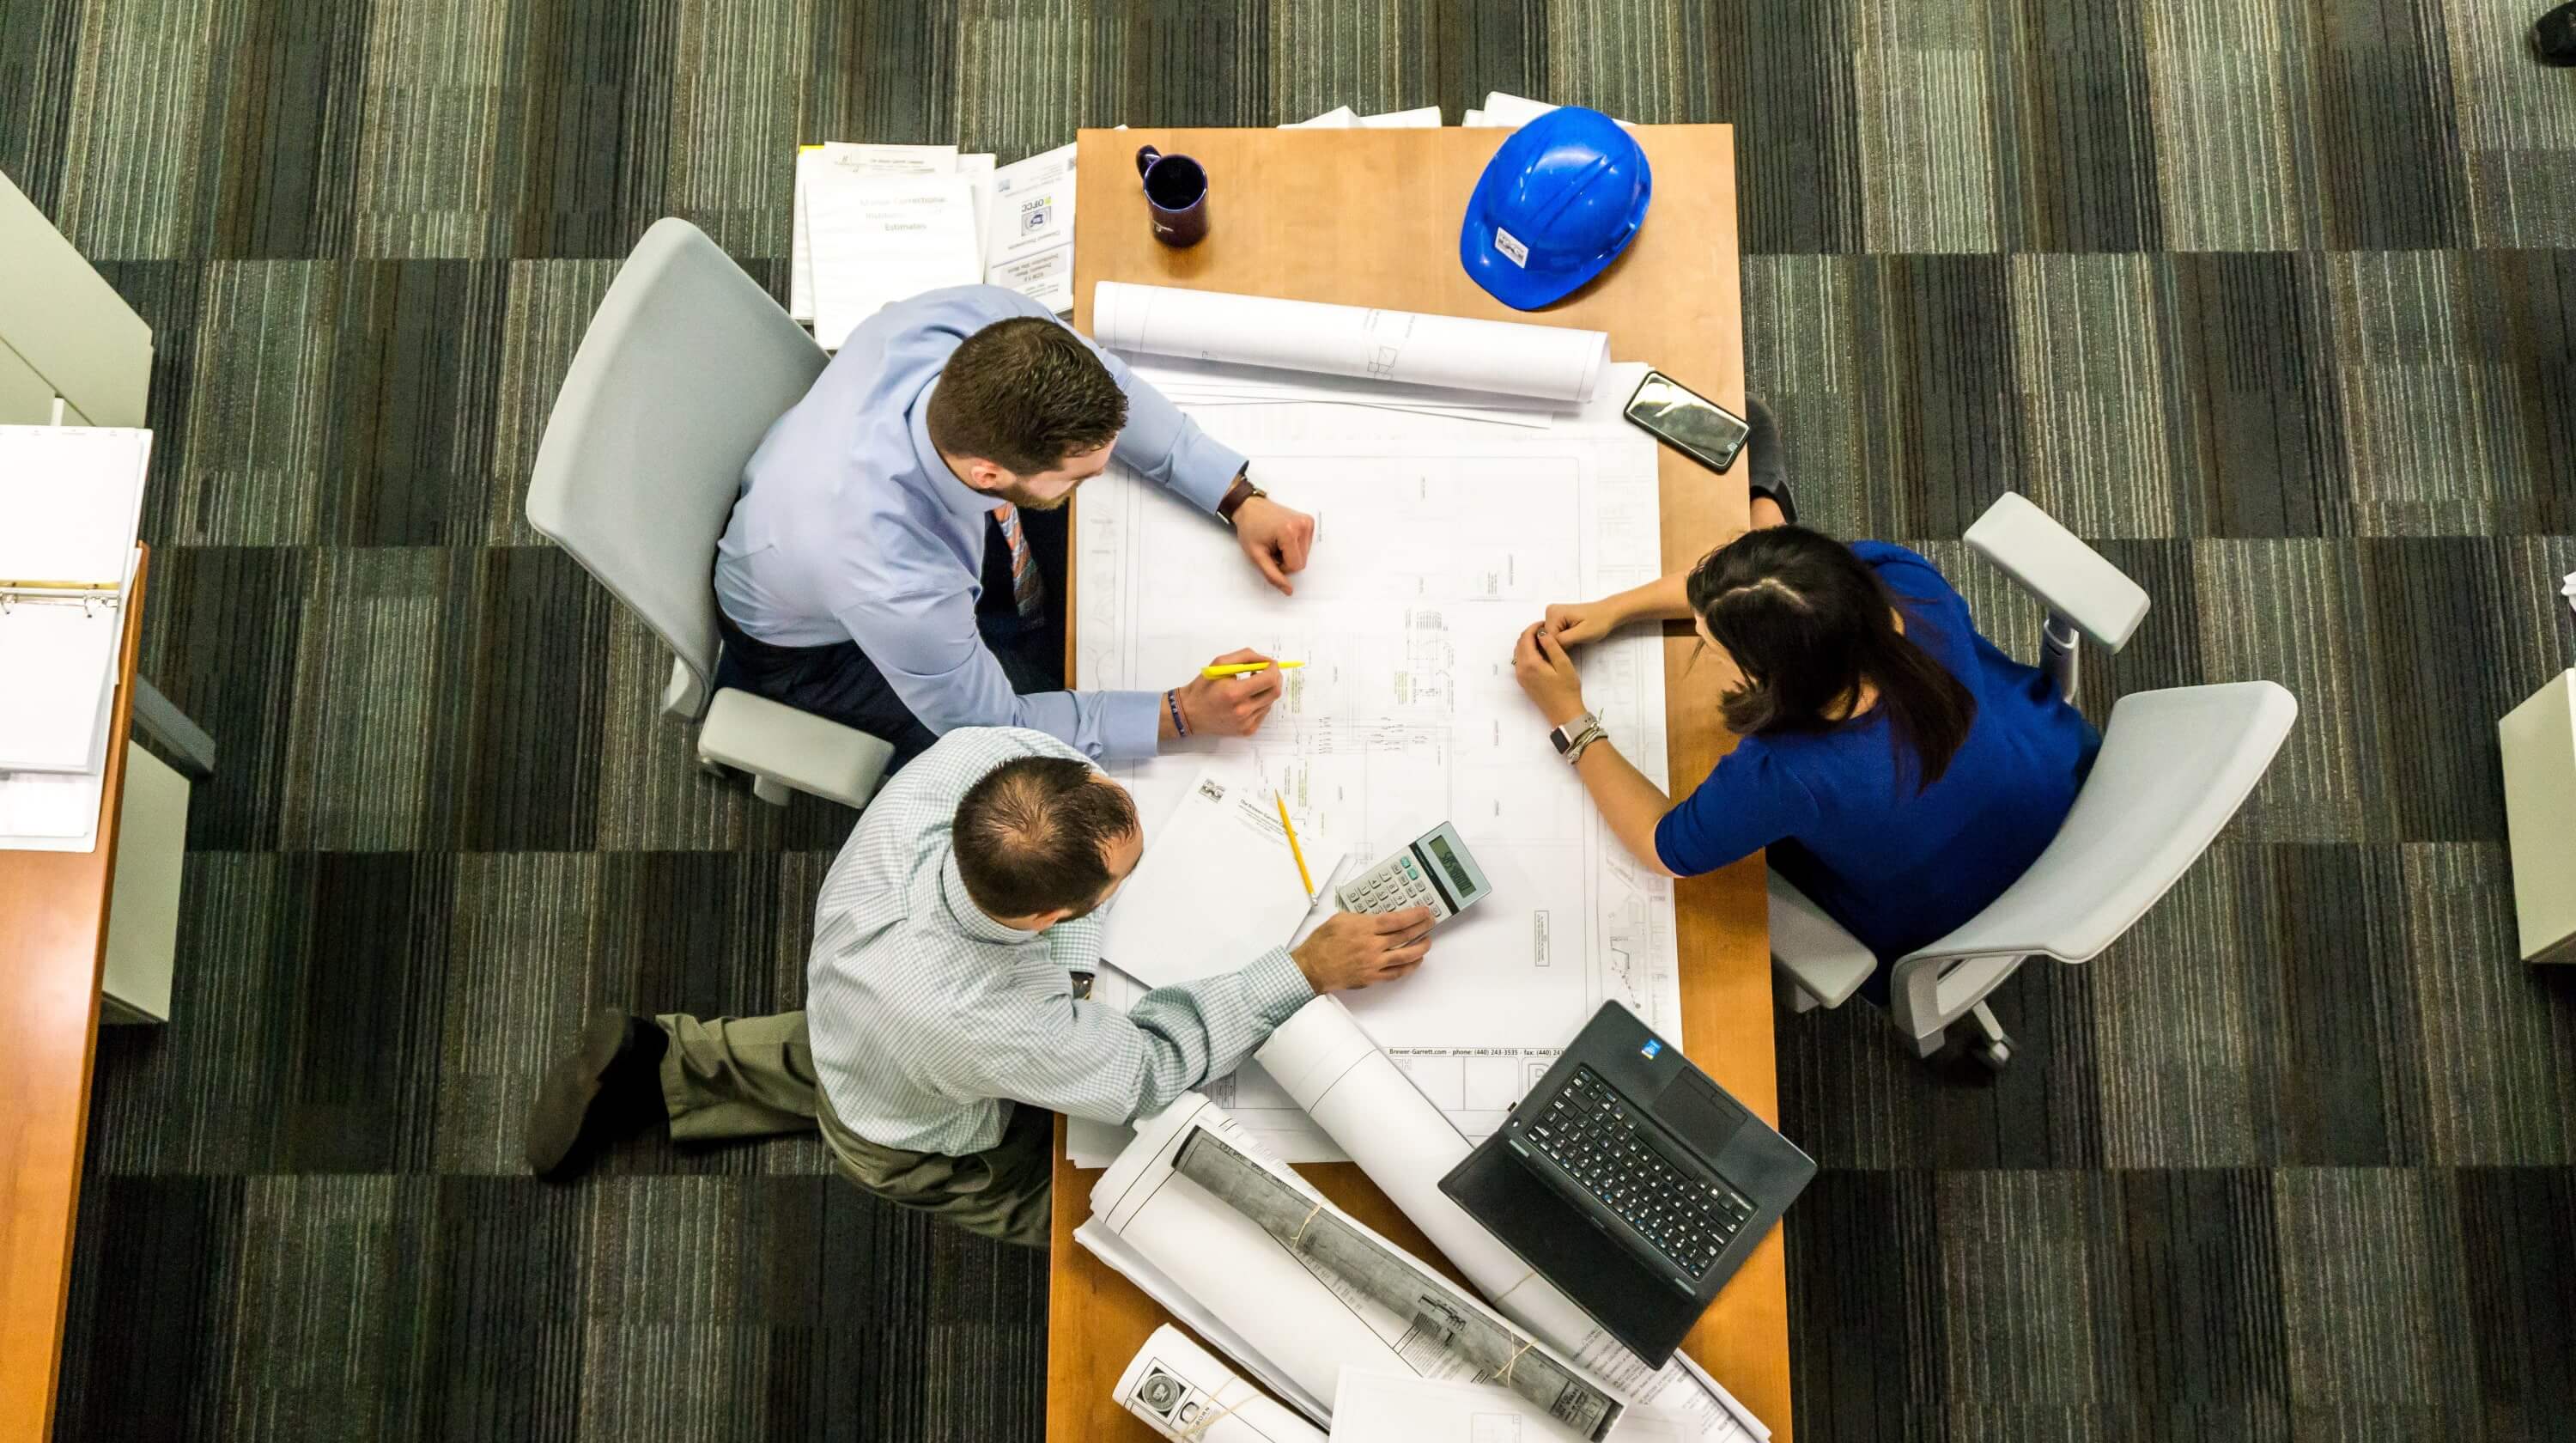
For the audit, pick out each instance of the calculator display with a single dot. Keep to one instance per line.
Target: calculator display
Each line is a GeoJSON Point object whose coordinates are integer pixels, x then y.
{"type": "Point", "coordinates": [1449, 863]}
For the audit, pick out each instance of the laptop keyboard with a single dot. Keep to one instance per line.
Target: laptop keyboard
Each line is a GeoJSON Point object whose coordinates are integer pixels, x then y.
{"type": "Point", "coordinates": [1589, 1130]}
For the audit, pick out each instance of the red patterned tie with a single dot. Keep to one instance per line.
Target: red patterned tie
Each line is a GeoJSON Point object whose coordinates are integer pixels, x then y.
{"type": "Point", "coordinates": [1028, 586]}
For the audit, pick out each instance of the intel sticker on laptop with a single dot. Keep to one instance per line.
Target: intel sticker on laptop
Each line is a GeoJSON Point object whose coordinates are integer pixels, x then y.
{"type": "Point", "coordinates": [1653, 1047]}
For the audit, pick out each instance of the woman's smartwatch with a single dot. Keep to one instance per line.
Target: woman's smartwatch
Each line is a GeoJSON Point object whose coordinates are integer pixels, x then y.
{"type": "Point", "coordinates": [1572, 738]}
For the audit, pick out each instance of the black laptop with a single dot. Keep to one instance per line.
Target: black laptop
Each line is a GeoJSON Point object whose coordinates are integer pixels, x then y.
{"type": "Point", "coordinates": [1632, 1182]}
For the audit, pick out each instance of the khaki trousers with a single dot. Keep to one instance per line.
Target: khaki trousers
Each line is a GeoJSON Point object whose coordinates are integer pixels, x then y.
{"type": "Point", "coordinates": [730, 1077]}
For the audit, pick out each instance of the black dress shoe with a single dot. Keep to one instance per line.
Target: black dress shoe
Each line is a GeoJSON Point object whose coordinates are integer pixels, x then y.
{"type": "Point", "coordinates": [607, 1086]}
{"type": "Point", "coordinates": [1770, 474]}
{"type": "Point", "coordinates": [2553, 36]}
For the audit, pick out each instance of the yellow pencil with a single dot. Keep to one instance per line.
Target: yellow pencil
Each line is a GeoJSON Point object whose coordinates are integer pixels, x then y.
{"type": "Point", "coordinates": [1294, 850]}
{"type": "Point", "coordinates": [1239, 668]}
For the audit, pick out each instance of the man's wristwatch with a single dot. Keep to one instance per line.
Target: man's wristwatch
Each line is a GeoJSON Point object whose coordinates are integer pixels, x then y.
{"type": "Point", "coordinates": [1575, 736]}
{"type": "Point", "coordinates": [1235, 495]}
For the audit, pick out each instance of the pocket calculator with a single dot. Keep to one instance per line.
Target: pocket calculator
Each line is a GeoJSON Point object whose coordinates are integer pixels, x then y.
{"type": "Point", "coordinates": [1434, 871]}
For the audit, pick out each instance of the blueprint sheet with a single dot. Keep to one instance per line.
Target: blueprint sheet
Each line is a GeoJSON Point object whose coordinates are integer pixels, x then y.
{"type": "Point", "coordinates": [1438, 539]}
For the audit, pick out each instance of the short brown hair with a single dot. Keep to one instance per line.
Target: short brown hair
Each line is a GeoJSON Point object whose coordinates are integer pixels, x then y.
{"type": "Point", "coordinates": [1024, 394]}
{"type": "Point", "coordinates": [1030, 835]}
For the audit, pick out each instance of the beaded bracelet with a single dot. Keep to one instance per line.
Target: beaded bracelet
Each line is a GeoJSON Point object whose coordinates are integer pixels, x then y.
{"type": "Point", "coordinates": [1172, 699]}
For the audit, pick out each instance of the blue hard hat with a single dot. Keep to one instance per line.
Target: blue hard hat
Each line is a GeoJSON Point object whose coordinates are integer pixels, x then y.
{"type": "Point", "coordinates": [1557, 203]}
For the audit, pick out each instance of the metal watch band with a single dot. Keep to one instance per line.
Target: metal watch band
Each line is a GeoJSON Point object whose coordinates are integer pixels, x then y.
{"type": "Point", "coordinates": [1566, 736]}
{"type": "Point", "coordinates": [1583, 740]}
{"type": "Point", "coordinates": [1583, 743]}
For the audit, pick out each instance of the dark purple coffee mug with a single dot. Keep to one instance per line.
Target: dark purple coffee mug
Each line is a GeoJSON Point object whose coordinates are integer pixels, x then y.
{"type": "Point", "coordinates": [1176, 195]}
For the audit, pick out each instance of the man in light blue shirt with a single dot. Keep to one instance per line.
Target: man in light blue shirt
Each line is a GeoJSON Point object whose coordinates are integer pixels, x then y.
{"type": "Point", "coordinates": [892, 556]}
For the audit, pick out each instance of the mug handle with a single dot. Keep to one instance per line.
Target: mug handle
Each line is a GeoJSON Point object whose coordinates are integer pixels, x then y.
{"type": "Point", "coordinates": [1145, 158]}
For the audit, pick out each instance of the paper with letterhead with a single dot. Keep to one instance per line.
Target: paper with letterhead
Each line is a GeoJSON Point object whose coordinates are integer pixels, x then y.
{"type": "Point", "coordinates": [879, 239]}
{"type": "Point", "coordinates": [1217, 887]}
{"type": "Point", "coordinates": [843, 158]}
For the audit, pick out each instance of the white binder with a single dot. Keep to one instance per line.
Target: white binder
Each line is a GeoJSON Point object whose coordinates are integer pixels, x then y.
{"type": "Point", "coordinates": [71, 501]}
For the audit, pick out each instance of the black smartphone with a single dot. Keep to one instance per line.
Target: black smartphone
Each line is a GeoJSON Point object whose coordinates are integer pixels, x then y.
{"type": "Point", "coordinates": [1692, 423]}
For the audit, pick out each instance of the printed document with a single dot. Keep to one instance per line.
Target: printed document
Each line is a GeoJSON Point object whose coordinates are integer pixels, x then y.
{"type": "Point", "coordinates": [1184, 1393]}
{"type": "Point", "coordinates": [1438, 540]}
{"type": "Point", "coordinates": [1217, 886]}
{"type": "Point", "coordinates": [841, 159]}
{"type": "Point", "coordinates": [878, 240]}
{"type": "Point", "coordinates": [1028, 243]}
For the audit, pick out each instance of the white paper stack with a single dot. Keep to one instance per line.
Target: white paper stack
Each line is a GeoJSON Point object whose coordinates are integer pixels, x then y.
{"type": "Point", "coordinates": [70, 502]}
{"type": "Point", "coordinates": [1504, 111]}
{"type": "Point", "coordinates": [1342, 117]}
{"type": "Point", "coordinates": [879, 223]}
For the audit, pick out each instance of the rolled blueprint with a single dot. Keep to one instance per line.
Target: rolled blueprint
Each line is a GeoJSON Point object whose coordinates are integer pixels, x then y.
{"type": "Point", "coordinates": [1293, 1319]}
{"type": "Point", "coordinates": [1405, 1144]}
{"type": "Point", "coordinates": [1184, 1393]}
{"type": "Point", "coordinates": [1404, 348]}
{"type": "Point", "coordinates": [1300, 1222]}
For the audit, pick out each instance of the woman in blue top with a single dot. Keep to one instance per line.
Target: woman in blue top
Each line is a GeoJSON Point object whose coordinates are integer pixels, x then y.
{"type": "Point", "coordinates": [1902, 771]}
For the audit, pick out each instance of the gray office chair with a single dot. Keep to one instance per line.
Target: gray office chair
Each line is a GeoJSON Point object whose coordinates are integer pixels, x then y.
{"type": "Point", "coordinates": [680, 374]}
{"type": "Point", "coordinates": [2174, 766]}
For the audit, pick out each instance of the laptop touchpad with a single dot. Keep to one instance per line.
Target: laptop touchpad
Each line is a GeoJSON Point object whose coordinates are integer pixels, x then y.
{"type": "Point", "coordinates": [1703, 1116]}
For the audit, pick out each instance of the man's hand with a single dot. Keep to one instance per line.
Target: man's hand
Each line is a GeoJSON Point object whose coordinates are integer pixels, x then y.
{"type": "Point", "coordinates": [1229, 706]}
{"type": "Point", "coordinates": [1548, 675]}
{"type": "Point", "coordinates": [1275, 538]}
{"type": "Point", "coordinates": [1354, 949]}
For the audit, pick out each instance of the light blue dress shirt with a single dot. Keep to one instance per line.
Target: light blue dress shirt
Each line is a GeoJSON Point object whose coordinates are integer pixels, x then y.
{"type": "Point", "coordinates": [850, 527]}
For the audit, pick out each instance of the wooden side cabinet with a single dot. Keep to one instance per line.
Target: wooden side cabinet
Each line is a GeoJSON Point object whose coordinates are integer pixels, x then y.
{"type": "Point", "coordinates": [2539, 740]}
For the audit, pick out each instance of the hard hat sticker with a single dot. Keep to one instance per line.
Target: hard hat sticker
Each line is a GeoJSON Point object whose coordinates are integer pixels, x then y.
{"type": "Point", "coordinates": [1511, 247]}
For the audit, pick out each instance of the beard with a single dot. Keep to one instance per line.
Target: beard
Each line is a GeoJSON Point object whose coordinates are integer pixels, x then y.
{"type": "Point", "coordinates": [1028, 500]}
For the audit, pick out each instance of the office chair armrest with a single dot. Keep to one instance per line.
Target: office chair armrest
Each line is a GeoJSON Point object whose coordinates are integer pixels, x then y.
{"type": "Point", "coordinates": [783, 747]}
{"type": "Point", "coordinates": [1813, 949]}
{"type": "Point", "coordinates": [2071, 579]}
{"type": "Point", "coordinates": [684, 697]}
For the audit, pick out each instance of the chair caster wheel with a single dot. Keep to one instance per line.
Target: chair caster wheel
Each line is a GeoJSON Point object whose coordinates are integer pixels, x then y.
{"type": "Point", "coordinates": [1995, 1055]}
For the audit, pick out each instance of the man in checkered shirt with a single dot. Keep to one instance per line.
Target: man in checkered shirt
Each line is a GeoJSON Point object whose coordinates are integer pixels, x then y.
{"type": "Point", "coordinates": [944, 1023]}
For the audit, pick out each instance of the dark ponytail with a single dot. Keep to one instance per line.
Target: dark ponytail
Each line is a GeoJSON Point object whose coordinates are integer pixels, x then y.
{"type": "Point", "coordinates": [1809, 623]}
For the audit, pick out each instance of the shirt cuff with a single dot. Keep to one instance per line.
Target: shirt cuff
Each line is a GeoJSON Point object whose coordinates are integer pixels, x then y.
{"type": "Point", "coordinates": [1277, 988]}
{"type": "Point", "coordinates": [1130, 725]}
{"type": "Point", "coordinates": [1204, 468]}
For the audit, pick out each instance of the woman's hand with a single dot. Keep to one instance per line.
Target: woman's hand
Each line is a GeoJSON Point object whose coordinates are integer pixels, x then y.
{"type": "Point", "coordinates": [1547, 674]}
{"type": "Point", "coordinates": [1577, 622]}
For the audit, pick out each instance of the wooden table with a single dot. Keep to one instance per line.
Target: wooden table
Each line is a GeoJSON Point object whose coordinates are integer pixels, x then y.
{"type": "Point", "coordinates": [1370, 217]}
{"type": "Point", "coordinates": [53, 938]}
